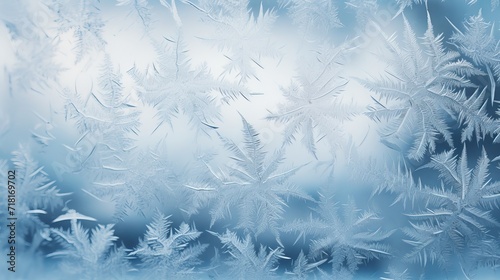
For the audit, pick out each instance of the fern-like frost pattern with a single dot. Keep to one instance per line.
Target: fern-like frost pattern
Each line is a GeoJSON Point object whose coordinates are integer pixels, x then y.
{"type": "Point", "coordinates": [248, 139]}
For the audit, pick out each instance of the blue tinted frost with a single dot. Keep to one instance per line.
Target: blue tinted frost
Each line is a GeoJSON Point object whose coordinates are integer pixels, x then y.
{"type": "Point", "coordinates": [248, 139]}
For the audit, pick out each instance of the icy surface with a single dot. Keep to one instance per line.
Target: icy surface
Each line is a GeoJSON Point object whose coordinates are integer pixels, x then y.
{"type": "Point", "coordinates": [244, 139]}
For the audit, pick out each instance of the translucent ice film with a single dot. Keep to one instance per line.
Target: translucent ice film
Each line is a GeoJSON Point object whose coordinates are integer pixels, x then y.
{"type": "Point", "coordinates": [249, 139]}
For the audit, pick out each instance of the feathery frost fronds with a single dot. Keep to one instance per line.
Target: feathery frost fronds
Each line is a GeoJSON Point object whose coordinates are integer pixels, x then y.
{"type": "Point", "coordinates": [302, 267]}
{"type": "Point", "coordinates": [35, 190]}
{"type": "Point", "coordinates": [245, 262]}
{"type": "Point", "coordinates": [365, 10]}
{"type": "Point", "coordinates": [173, 87]}
{"type": "Point", "coordinates": [34, 46]}
{"type": "Point", "coordinates": [166, 252]}
{"type": "Point", "coordinates": [239, 35]}
{"type": "Point", "coordinates": [107, 119]}
{"type": "Point", "coordinates": [84, 21]}
{"type": "Point", "coordinates": [89, 256]}
{"type": "Point", "coordinates": [106, 112]}
{"type": "Point", "coordinates": [453, 220]}
{"type": "Point", "coordinates": [425, 88]}
{"type": "Point", "coordinates": [36, 194]}
{"type": "Point", "coordinates": [479, 43]}
{"type": "Point", "coordinates": [314, 106]}
{"type": "Point", "coordinates": [111, 118]}
{"type": "Point", "coordinates": [403, 4]}
{"type": "Point", "coordinates": [252, 185]}
{"type": "Point", "coordinates": [347, 236]}
{"type": "Point", "coordinates": [313, 16]}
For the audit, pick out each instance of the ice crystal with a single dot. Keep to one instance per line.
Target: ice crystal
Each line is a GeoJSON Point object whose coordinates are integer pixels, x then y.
{"type": "Point", "coordinates": [89, 256]}
{"type": "Point", "coordinates": [166, 252]}
{"type": "Point", "coordinates": [314, 106]}
{"type": "Point", "coordinates": [347, 236]}
{"type": "Point", "coordinates": [246, 261]}
{"type": "Point", "coordinates": [424, 87]}
{"type": "Point", "coordinates": [252, 186]}
{"type": "Point", "coordinates": [454, 221]}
